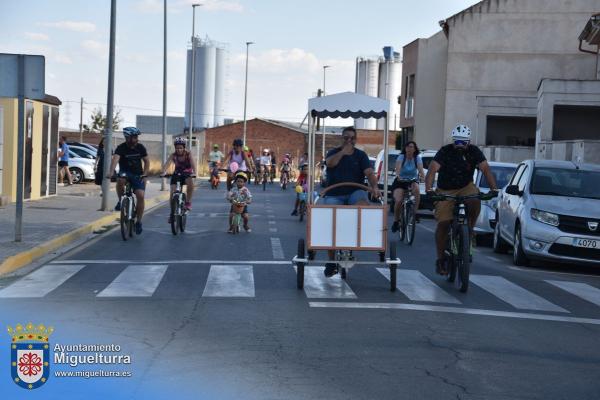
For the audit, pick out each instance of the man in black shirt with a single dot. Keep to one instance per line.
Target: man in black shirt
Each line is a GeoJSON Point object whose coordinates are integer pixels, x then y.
{"type": "Point", "coordinates": [456, 164]}
{"type": "Point", "coordinates": [130, 155]}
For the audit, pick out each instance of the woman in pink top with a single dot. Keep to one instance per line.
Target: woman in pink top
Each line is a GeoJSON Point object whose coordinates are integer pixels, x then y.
{"type": "Point", "coordinates": [238, 156]}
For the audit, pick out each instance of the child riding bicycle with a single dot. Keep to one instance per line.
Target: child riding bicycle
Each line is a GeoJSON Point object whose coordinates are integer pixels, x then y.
{"type": "Point", "coordinates": [239, 196]}
{"type": "Point", "coordinates": [302, 182]}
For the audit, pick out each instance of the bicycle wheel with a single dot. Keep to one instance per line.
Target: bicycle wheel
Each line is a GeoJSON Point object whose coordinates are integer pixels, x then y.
{"type": "Point", "coordinates": [393, 267]}
{"type": "Point", "coordinates": [451, 257]}
{"type": "Point", "coordinates": [182, 214]}
{"type": "Point", "coordinates": [464, 265]}
{"type": "Point", "coordinates": [132, 216]}
{"type": "Point", "coordinates": [174, 205]}
{"type": "Point", "coordinates": [410, 223]}
{"type": "Point", "coordinates": [402, 227]}
{"type": "Point", "coordinates": [301, 210]}
{"type": "Point", "coordinates": [264, 182]}
{"type": "Point", "coordinates": [124, 220]}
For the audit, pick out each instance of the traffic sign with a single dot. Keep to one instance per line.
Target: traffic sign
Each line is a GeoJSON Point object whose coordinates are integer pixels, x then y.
{"type": "Point", "coordinates": [34, 76]}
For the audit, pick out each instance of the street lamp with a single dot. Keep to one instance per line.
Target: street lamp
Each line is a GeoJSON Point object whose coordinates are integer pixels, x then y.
{"type": "Point", "coordinates": [193, 72]}
{"type": "Point", "coordinates": [164, 116]}
{"type": "Point", "coordinates": [246, 89]}
{"type": "Point", "coordinates": [323, 149]}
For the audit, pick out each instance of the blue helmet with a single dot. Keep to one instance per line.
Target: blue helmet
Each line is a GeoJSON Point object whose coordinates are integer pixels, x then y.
{"type": "Point", "coordinates": [131, 131]}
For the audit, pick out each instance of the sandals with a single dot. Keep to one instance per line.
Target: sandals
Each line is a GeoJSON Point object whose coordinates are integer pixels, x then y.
{"type": "Point", "coordinates": [441, 266]}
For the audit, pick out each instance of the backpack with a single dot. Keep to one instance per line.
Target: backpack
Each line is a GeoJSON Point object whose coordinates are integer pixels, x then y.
{"type": "Point", "coordinates": [404, 160]}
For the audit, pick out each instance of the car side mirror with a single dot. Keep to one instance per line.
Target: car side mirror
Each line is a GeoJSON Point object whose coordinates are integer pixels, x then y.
{"type": "Point", "coordinates": [513, 190]}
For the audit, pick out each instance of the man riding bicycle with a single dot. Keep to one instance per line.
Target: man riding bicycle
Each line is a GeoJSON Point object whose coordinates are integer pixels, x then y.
{"type": "Point", "coordinates": [184, 169]}
{"type": "Point", "coordinates": [455, 164]}
{"type": "Point", "coordinates": [130, 155]}
{"type": "Point", "coordinates": [215, 157]}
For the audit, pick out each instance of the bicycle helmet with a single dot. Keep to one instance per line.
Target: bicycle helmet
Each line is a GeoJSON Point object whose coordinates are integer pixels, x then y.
{"type": "Point", "coordinates": [179, 141]}
{"type": "Point", "coordinates": [461, 132]}
{"type": "Point", "coordinates": [246, 148]}
{"type": "Point", "coordinates": [238, 142]}
{"type": "Point", "coordinates": [216, 146]}
{"type": "Point", "coordinates": [242, 175]}
{"type": "Point", "coordinates": [131, 131]}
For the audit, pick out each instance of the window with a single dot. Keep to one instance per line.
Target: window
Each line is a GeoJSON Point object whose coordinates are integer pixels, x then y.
{"type": "Point", "coordinates": [576, 122]}
{"type": "Point", "coordinates": [510, 131]}
{"type": "Point", "coordinates": [517, 174]}
{"type": "Point", "coordinates": [566, 182]}
{"type": "Point", "coordinates": [523, 180]}
{"type": "Point", "coordinates": [410, 97]}
{"type": "Point", "coordinates": [501, 174]}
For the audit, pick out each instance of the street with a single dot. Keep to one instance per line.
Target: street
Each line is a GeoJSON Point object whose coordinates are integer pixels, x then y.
{"type": "Point", "coordinates": [211, 315]}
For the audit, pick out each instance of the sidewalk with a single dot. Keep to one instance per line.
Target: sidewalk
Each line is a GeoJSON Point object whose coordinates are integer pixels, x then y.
{"type": "Point", "coordinates": [54, 222]}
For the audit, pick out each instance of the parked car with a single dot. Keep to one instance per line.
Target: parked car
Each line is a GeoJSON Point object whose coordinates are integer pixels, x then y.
{"type": "Point", "coordinates": [426, 155]}
{"type": "Point", "coordinates": [82, 169]}
{"type": "Point", "coordinates": [549, 211]}
{"type": "Point", "coordinates": [84, 152]}
{"type": "Point", "coordinates": [92, 147]}
{"type": "Point", "coordinates": [487, 217]}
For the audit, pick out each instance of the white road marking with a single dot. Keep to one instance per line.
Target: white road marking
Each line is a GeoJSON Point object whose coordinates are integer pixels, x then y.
{"type": "Point", "coordinates": [135, 281]}
{"type": "Point", "coordinates": [229, 281]}
{"type": "Point", "coordinates": [455, 310]}
{"type": "Point", "coordinates": [277, 249]}
{"type": "Point", "coordinates": [41, 282]}
{"type": "Point", "coordinates": [317, 286]}
{"type": "Point", "coordinates": [274, 230]}
{"type": "Point", "coordinates": [513, 294]}
{"type": "Point", "coordinates": [427, 228]}
{"type": "Point", "coordinates": [418, 287]}
{"type": "Point", "coordinates": [271, 222]}
{"type": "Point", "coordinates": [582, 290]}
{"type": "Point", "coordinates": [169, 262]}
{"type": "Point", "coordinates": [552, 272]}
{"type": "Point", "coordinates": [496, 259]}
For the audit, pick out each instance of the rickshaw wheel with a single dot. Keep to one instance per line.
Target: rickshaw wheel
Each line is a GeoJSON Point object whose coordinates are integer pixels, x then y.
{"type": "Point", "coordinates": [300, 265]}
{"type": "Point", "coordinates": [393, 267]}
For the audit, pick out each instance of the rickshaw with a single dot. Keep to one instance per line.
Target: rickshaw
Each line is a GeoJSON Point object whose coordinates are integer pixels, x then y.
{"type": "Point", "coordinates": [345, 229]}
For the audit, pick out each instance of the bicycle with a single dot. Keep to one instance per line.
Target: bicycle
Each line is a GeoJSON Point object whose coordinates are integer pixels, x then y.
{"type": "Point", "coordinates": [273, 174]}
{"type": "Point", "coordinates": [284, 180]}
{"type": "Point", "coordinates": [128, 209]}
{"type": "Point", "coordinates": [458, 250]}
{"type": "Point", "coordinates": [238, 210]}
{"type": "Point", "coordinates": [178, 215]}
{"type": "Point", "coordinates": [302, 196]}
{"type": "Point", "coordinates": [408, 216]}
{"type": "Point", "coordinates": [265, 177]}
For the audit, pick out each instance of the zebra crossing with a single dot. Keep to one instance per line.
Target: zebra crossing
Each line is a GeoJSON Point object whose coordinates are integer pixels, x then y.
{"type": "Point", "coordinates": [238, 281]}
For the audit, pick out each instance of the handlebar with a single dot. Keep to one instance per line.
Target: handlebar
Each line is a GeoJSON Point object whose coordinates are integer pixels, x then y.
{"type": "Point", "coordinates": [351, 184]}
{"type": "Point", "coordinates": [170, 175]}
{"type": "Point", "coordinates": [481, 196]}
{"type": "Point", "coordinates": [408, 180]}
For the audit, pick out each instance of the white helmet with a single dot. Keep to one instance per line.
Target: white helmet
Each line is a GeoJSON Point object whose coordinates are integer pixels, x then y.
{"type": "Point", "coordinates": [461, 132]}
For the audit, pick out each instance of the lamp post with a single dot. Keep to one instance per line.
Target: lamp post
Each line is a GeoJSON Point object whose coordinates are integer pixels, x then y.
{"type": "Point", "coordinates": [193, 72]}
{"type": "Point", "coordinates": [164, 127]}
{"type": "Point", "coordinates": [323, 144]}
{"type": "Point", "coordinates": [246, 89]}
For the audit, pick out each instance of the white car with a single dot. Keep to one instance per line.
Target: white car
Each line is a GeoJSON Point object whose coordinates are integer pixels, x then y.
{"type": "Point", "coordinates": [82, 169]}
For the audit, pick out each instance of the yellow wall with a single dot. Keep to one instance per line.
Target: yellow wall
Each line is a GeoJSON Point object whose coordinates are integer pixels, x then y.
{"type": "Point", "coordinates": [9, 185]}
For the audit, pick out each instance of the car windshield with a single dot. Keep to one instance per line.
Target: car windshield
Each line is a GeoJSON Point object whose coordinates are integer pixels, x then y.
{"type": "Point", "coordinates": [502, 175]}
{"type": "Point", "coordinates": [566, 182]}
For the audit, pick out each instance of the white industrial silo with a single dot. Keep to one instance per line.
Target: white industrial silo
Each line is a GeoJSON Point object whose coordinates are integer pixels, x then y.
{"type": "Point", "coordinates": [220, 87]}
{"type": "Point", "coordinates": [367, 73]}
{"type": "Point", "coordinates": [390, 86]}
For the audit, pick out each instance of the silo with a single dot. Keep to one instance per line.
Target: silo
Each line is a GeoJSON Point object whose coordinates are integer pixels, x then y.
{"type": "Point", "coordinates": [219, 86]}
{"type": "Point", "coordinates": [389, 85]}
{"type": "Point", "coordinates": [367, 72]}
{"type": "Point", "coordinates": [204, 84]}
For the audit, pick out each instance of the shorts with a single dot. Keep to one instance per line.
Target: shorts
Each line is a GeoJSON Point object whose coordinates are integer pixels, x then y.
{"type": "Point", "coordinates": [243, 212]}
{"type": "Point", "coordinates": [347, 199]}
{"type": "Point", "coordinates": [400, 184]}
{"type": "Point", "coordinates": [179, 178]}
{"type": "Point", "coordinates": [63, 164]}
{"type": "Point", "coordinates": [444, 209]}
{"type": "Point", "coordinates": [137, 183]}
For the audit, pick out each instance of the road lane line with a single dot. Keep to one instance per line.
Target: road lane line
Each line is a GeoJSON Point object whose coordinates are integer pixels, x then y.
{"type": "Point", "coordinates": [135, 281]}
{"type": "Point", "coordinates": [274, 230]}
{"type": "Point", "coordinates": [494, 259]}
{"type": "Point", "coordinates": [41, 282]}
{"type": "Point", "coordinates": [271, 222]}
{"type": "Point", "coordinates": [317, 286]}
{"type": "Point", "coordinates": [277, 249]}
{"type": "Point", "coordinates": [513, 294]}
{"type": "Point", "coordinates": [418, 287]}
{"type": "Point", "coordinates": [169, 262]}
{"type": "Point", "coordinates": [229, 281]}
{"type": "Point", "coordinates": [581, 290]}
{"type": "Point", "coordinates": [427, 228]}
{"type": "Point", "coordinates": [553, 272]}
{"type": "Point", "coordinates": [454, 310]}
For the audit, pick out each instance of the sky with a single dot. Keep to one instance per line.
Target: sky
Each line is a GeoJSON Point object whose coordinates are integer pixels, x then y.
{"type": "Point", "coordinates": [293, 40]}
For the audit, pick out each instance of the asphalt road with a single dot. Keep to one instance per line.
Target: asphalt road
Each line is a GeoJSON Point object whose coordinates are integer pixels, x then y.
{"type": "Point", "coordinates": [212, 315]}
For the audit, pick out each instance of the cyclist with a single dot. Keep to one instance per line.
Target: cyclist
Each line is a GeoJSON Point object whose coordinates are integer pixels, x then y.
{"type": "Point", "coordinates": [265, 164]}
{"type": "Point", "coordinates": [239, 193]}
{"type": "Point", "coordinates": [238, 156]}
{"type": "Point", "coordinates": [273, 166]}
{"type": "Point", "coordinates": [455, 164]}
{"type": "Point", "coordinates": [130, 156]}
{"type": "Point", "coordinates": [285, 169]}
{"type": "Point", "coordinates": [409, 165]}
{"type": "Point", "coordinates": [184, 168]}
{"type": "Point", "coordinates": [215, 157]}
{"type": "Point", "coordinates": [303, 183]}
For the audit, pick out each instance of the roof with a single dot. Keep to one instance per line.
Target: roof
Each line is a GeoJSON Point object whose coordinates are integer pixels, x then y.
{"type": "Point", "coordinates": [53, 100]}
{"type": "Point", "coordinates": [348, 105]}
{"type": "Point", "coordinates": [566, 164]}
{"type": "Point", "coordinates": [591, 32]}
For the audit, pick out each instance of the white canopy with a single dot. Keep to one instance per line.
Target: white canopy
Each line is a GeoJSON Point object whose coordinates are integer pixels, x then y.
{"type": "Point", "coordinates": [348, 105]}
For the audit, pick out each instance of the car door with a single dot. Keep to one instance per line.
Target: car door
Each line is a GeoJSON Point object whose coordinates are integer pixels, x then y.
{"type": "Point", "coordinates": [506, 219]}
{"type": "Point", "coordinates": [515, 202]}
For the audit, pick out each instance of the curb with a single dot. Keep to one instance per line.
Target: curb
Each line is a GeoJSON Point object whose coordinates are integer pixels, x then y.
{"type": "Point", "coordinates": [24, 258]}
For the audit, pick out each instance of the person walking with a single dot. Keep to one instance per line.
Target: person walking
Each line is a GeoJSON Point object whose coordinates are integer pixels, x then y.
{"type": "Point", "coordinates": [63, 161]}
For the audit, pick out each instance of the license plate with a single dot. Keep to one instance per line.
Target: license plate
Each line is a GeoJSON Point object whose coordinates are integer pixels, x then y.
{"type": "Point", "coordinates": [586, 243]}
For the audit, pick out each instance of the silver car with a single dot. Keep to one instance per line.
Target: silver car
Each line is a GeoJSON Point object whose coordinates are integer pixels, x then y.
{"type": "Point", "coordinates": [551, 210]}
{"type": "Point", "coordinates": [82, 169]}
{"type": "Point", "coordinates": [487, 217]}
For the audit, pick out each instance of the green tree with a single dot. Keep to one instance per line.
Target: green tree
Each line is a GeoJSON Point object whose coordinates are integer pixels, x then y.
{"type": "Point", "coordinates": [98, 118]}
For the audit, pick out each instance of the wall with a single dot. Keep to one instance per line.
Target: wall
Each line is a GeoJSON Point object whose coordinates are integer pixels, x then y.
{"type": "Point", "coordinates": [505, 47]}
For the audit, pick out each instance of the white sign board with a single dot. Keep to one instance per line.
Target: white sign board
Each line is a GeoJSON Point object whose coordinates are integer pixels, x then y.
{"type": "Point", "coordinates": [34, 76]}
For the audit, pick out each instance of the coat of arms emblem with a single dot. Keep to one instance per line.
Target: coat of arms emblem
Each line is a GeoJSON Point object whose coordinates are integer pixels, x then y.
{"type": "Point", "coordinates": [30, 355]}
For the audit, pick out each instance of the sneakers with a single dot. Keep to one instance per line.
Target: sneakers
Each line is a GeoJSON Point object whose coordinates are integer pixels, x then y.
{"type": "Point", "coordinates": [247, 228]}
{"type": "Point", "coordinates": [441, 266]}
{"type": "Point", "coordinates": [331, 269]}
{"type": "Point", "coordinates": [294, 213]}
{"type": "Point", "coordinates": [138, 228]}
{"type": "Point", "coordinates": [188, 206]}
{"type": "Point", "coordinates": [118, 206]}
{"type": "Point", "coordinates": [396, 226]}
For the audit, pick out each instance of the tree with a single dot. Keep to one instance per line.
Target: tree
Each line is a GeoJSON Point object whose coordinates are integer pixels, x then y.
{"type": "Point", "coordinates": [99, 120]}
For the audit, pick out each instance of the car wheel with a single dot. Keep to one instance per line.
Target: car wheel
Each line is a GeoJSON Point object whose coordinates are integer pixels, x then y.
{"type": "Point", "coordinates": [498, 244]}
{"type": "Point", "coordinates": [76, 174]}
{"type": "Point", "coordinates": [519, 257]}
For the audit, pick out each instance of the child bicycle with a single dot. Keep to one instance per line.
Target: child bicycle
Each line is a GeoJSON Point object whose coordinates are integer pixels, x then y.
{"type": "Point", "coordinates": [237, 221]}
{"type": "Point", "coordinates": [178, 216]}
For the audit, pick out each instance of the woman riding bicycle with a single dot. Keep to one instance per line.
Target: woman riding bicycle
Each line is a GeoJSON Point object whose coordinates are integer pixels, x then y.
{"type": "Point", "coordinates": [265, 165]}
{"type": "Point", "coordinates": [239, 156]}
{"type": "Point", "coordinates": [239, 196]}
{"type": "Point", "coordinates": [409, 166]}
{"type": "Point", "coordinates": [184, 168]}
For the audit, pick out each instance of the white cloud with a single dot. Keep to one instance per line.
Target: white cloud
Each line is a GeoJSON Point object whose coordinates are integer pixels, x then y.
{"type": "Point", "coordinates": [36, 36]}
{"type": "Point", "coordinates": [177, 55]}
{"type": "Point", "coordinates": [96, 48]}
{"type": "Point", "coordinates": [219, 5]}
{"type": "Point", "coordinates": [281, 60]}
{"type": "Point", "coordinates": [61, 58]}
{"type": "Point", "coordinates": [137, 58]}
{"type": "Point", "coordinates": [149, 6]}
{"type": "Point", "coordinates": [76, 26]}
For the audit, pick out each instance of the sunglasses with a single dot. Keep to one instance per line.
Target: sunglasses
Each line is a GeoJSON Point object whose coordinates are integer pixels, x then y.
{"type": "Point", "coordinates": [461, 142]}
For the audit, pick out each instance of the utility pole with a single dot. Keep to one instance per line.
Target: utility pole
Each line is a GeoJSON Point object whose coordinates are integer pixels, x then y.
{"type": "Point", "coordinates": [193, 73]}
{"type": "Point", "coordinates": [246, 89]}
{"type": "Point", "coordinates": [323, 144]}
{"type": "Point", "coordinates": [20, 151]}
{"type": "Point", "coordinates": [164, 127]}
{"type": "Point", "coordinates": [81, 121]}
{"type": "Point", "coordinates": [109, 108]}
